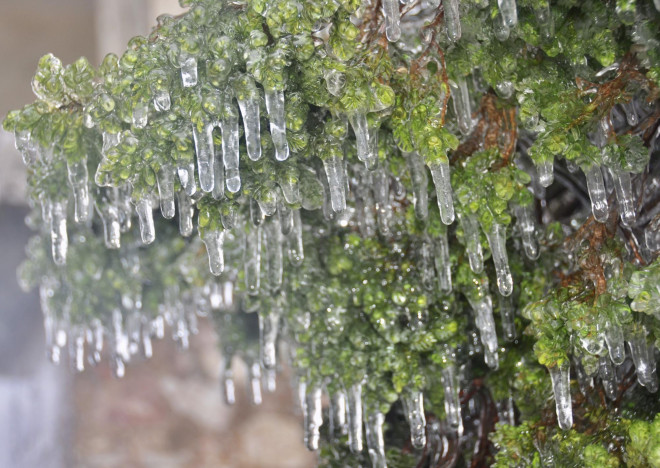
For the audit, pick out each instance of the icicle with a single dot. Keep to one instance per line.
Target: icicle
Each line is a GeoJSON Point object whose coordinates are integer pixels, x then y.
{"type": "Point", "coordinates": [256, 213]}
{"type": "Point", "coordinates": [295, 240]}
{"type": "Point", "coordinates": [500, 29]}
{"type": "Point", "coordinates": [452, 401]}
{"type": "Point", "coordinates": [252, 260]}
{"type": "Point", "coordinates": [275, 108]}
{"type": "Point", "coordinates": [355, 417]}
{"type": "Point", "coordinates": [230, 153]}
{"type": "Point", "coordinates": [286, 218]}
{"type": "Point", "coordinates": [585, 382]}
{"type": "Point", "coordinates": [471, 231]}
{"type": "Point", "coordinates": [631, 113]}
{"type": "Point", "coordinates": [339, 420]}
{"type": "Point", "coordinates": [608, 377]}
{"type": "Point", "coordinates": [186, 212]}
{"type": "Point", "coordinates": [218, 192]}
{"type": "Point", "coordinates": [375, 440]}
{"type": "Point", "coordinates": [78, 180]}
{"type": "Point", "coordinates": [414, 407]}
{"type": "Point", "coordinates": [205, 155]}
{"type": "Point", "coordinates": [289, 185]}
{"type": "Point", "coordinates": [642, 356]}
{"type": "Point", "coordinates": [497, 242]}
{"type": "Point", "coordinates": [652, 234]}
{"type": "Point", "coordinates": [443, 263]}
{"type": "Point", "coordinates": [122, 198]}
{"type": "Point", "coordinates": [452, 20]}
{"type": "Point", "coordinates": [268, 329]}
{"type": "Point", "coordinates": [509, 12]}
{"type": "Point", "coordinates": [365, 148]}
{"type": "Point", "coordinates": [545, 172]}
{"type": "Point", "coordinates": [483, 310]}
{"type": "Point", "coordinates": [441, 180]}
{"type": "Point", "coordinates": [249, 105]}
{"type": "Point", "coordinates": [162, 100]}
{"type": "Point", "coordinates": [227, 380]}
{"type": "Point", "coordinates": [392, 20]}
{"type": "Point", "coordinates": [614, 338]}
{"type": "Point", "coordinates": [334, 170]}
{"type": "Point", "coordinates": [111, 229]}
{"type": "Point", "coordinates": [561, 386]}
{"type": "Point", "coordinates": [420, 184]}
{"type": "Point", "coordinates": [188, 64]}
{"type": "Point", "coordinates": [24, 144]}
{"type": "Point", "coordinates": [255, 383]}
{"type": "Point", "coordinates": [525, 215]}
{"type": "Point", "coordinates": [507, 312]}
{"type": "Point", "coordinates": [267, 199]}
{"type": "Point", "coordinates": [624, 196]}
{"type": "Point", "coordinates": [186, 173]}
{"type": "Point", "coordinates": [381, 189]}
{"type": "Point", "coordinates": [58, 235]}
{"type": "Point", "coordinates": [462, 106]}
{"type": "Point", "coordinates": [426, 264]}
{"type": "Point", "coordinates": [165, 179]}
{"type": "Point", "coordinates": [146, 219]}
{"type": "Point", "coordinates": [140, 116]}
{"type": "Point", "coordinates": [274, 254]}
{"type": "Point", "coordinates": [597, 193]}
{"type": "Point", "coordinates": [214, 240]}
{"type": "Point", "coordinates": [313, 418]}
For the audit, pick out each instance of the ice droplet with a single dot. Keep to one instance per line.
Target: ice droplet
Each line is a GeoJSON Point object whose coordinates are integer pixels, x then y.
{"type": "Point", "coordinates": [334, 81]}
{"type": "Point", "coordinates": [561, 387]}
{"type": "Point", "coordinates": [624, 196]}
{"type": "Point", "coordinates": [509, 12]}
{"type": "Point", "coordinates": [252, 260]}
{"type": "Point", "coordinates": [334, 170]}
{"type": "Point", "coordinates": [214, 240]}
{"type": "Point", "coordinates": [392, 20]}
{"type": "Point", "coordinates": [452, 19]}
{"type": "Point", "coordinates": [295, 240]}
{"type": "Point", "coordinates": [165, 179]}
{"type": "Point", "coordinates": [497, 242]}
{"type": "Point", "coordinates": [375, 440]}
{"type": "Point", "coordinates": [146, 220]}
{"type": "Point", "coordinates": [58, 234]}
{"type": "Point", "coordinates": [186, 212]}
{"type": "Point", "coordinates": [452, 401]}
{"type": "Point", "coordinates": [414, 407]}
{"type": "Point", "coordinates": [471, 231]}
{"type": "Point", "coordinates": [420, 184]}
{"type": "Point", "coordinates": [355, 417]}
{"type": "Point", "coordinates": [79, 182]}
{"type": "Point", "coordinates": [205, 157]}
{"type": "Point", "coordinates": [275, 108]}
{"type": "Point", "coordinates": [462, 107]}
{"type": "Point", "coordinates": [545, 172]}
{"type": "Point", "coordinates": [313, 418]}
{"type": "Point", "coordinates": [597, 193]}
{"type": "Point", "coordinates": [162, 100]}
{"type": "Point", "coordinates": [230, 152]}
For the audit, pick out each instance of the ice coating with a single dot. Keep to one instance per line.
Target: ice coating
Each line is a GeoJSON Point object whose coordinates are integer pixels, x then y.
{"type": "Point", "coordinates": [452, 19]}
{"type": "Point", "coordinates": [165, 179]}
{"type": "Point", "coordinates": [204, 150]}
{"type": "Point", "coordinates": [146, 220]}
{"type": "Point", "coordinates": [214, 240]}
{"type": "Point", "coordinates": [188, 64]}
{"type": "Point", "coordinates": [451, 388]}
{"type": "Point", "coordinates": [275, 108]}
{"type": "Point", "coordinates": [79, 182]}
{"type": "Point", "coordinates": [162, 100]}
{"type": "Point", "coordinates": [419, 181]}
{"type": "Point", "coordinates": [334, 81]}
{"type": "Point", "coordinates": [509, 12]}
{"type": "Point", "coordinates": [624, 196]}
{"type": "Point", "coordinates": [443, 263]}
{"type": "Point", "coordinates": [392, 20]}
{"type": "Point", "coordinates": [355, 417]}
{"type": "Point", "coordinates": [375, 441]}
{"type": "Point", "coordinates": [497, 242]}
{"type": "Point", "coordinates": [252, 260]}
{"type": "Point", "coordinates": [366, 151]}
{"type": "Point", "coordinates": [140, 114]}
{"type": "Point", "coordinates": [334, 170]}
{"type": "Point", "coordinates": [249, 105]}
{"type": "Point", "coordinates": [471, 231]}
{"type": "Point", "coordinates": [545, 171]}
{"type": "Point", "coordinates": [525, 216]}
{"type": "Point", "coordinates": [597, 193]}
{"type": "Point", "coordinates": [462, 107]}
{"type": "Point", "coordinates": [313, 418]}
{"type": "Point", "coordinates": [414, 407]}
{"type": "Point", "coordinates": [58, 234]}
{"type": "Point", "coordinates": [230, 152]}
{"type": "Point", "coordinates": [295, 240]}
{"type": "Point", "coordinates": [441, 179]}
{"type": "Point", "coordinates": [561, 387]}
{"type": "Point", "coordinates": [186, 212]}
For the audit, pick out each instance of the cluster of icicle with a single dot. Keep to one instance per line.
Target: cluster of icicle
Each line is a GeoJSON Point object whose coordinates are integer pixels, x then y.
{"type": "Point", "coordinates": [128, 330]}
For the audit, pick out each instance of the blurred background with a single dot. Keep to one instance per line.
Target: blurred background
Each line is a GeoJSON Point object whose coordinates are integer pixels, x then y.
{"type": "Point", "coordinates": [167, 412]}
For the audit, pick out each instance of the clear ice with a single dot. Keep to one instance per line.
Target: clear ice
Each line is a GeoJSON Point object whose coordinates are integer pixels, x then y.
{"type": "Point", "coordinates": [452, 19]}
{"type": "Point", "coordinates": [355, 417]}
{"type": "Point", "coordinates": [165, 179]}
{"type": "Point", "coordinates": [295, 240]}
{"type": "Point", "coordinates": [509, 12]}
{"type": "Point", "coordinates": [443, 263]}
{"type": "Point", "coordinates": [214, 240]}
{"type": "Point", "coordinates": [644, 359]}
{"type": "Point", "coordinates": [525, 216]}
{"type": "Point", "coordinates": [414, 407]}
{"type": "Point", "coordinates": [275, 108]}
{"type": "Point", "coordinates": [252, 260]}
{"type": "Point", "coordinates": [227, 380]}
{"type": "Point", "coordinates": [597, 193]}
{"type": "Point", "coordinates": [471, 233]}
{"type": "Point", "coordinates": [230, 152]}
{"type": "Point", "coordinates": [58, 234]}
{"type": "Point", "coordinates": [79, 182]}
{"type": "Point", "coordinates": [313, 415]}
{"type": "Point", "coordinates": [375, 440]}
{"type": "Point", "coordinates": [205, 156]}
{"type": "Point", "coordinates": [249, 106]}
{"type": "Point", "coordinates": [441, 179]}
{"type": "Point", "coordinates": [188, 65]}
{"type": "Point", "coordinates": [146, 220]}
{"type": "Point", "coordinates": [482, 305]}
{"type": "Point", "coordinates": [268, 328]}
{"type": "Point", "coordinates": [274, 253]}
{"type": "Point", "coordinates": [561, 387]}
{"type": "Point", "coordinates": [366, 150]}
{"type": "Point", "coordinates": [624, 196]}
{"type": "Point", "coordinates": [392, 20]}
{"type": "Point", "coordinates": [462, 107]}
{"type": "Point", "coordinates": [420, 183]}
{"type": "Point", "coordinates": [545, 171]}
{"type": "Point", "coordinates": [497, 242]}
{"type": "Point", "coordinates": [451, 388]}
{"type": "Point", "coordinates": [186, 212]}
{"type": "Point", "coordinates": [334, 170]}
{"type": "Point", "coordinates": [186, 173]}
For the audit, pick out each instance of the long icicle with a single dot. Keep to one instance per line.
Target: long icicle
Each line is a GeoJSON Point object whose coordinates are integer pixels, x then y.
{"type": "Point", "coordinates": [313, 418]}
{"type": "Point", "coordinates": [624, 196]}
{"type": "Point", "coordinates": [252, 260]}
{"type": "Point", "coordinates": [561, 386]}
{"type": "Point", "coordinates": [525, 215]}
{"type": "Point", "coordinates": [79, 182]}
{"type": "Point", "coordinates": [471, 231]}
{"type": "Point", "coordinates": [275, 108]}
{"type": "Point", "coordinates": [452, 400]}
{"type": "Point", "coordinates": [214, 240]}
{"type": "Point", "coordinates": [295, 240]}
{"type": "Point", "coordinates": [597, 193]}
{"type": "Point", "coordinates": [355, 417]}
{"type": "Point", "coordinates": [365, 149]}
{"type": "Point", "coordinates": [392, 20]}
{"type": "Point", "coordinates": [58, 234]}
{"type": "Point", "coordinates": [420, 183]}
{"type": "Point", "coordinates": [452, 19]}
{"type": "Point", "coordinates": [230, 152]}
{"type": "Point", "coordinates": [441, 179]}
{"type": "Point", "coordinates": [375, 441]}
{"type": "Point", "coordinates": [165, 179]}
{"type": "Point", "coordinates": [497, 241]}
{"type": "Point", "coordinates": [414, 406]}
{"type": "Point", "coordinates": [204, 150]}
{"type": "Point", "coordinates": [462, 107]}
{"type": "Point", "coordinates": [334, 169]}
{"type": "Point", "coordinates": [248, 101]}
